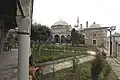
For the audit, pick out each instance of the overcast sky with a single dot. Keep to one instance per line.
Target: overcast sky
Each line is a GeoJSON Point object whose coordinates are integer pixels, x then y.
{"type": "Point", "coordinates": [106, 12]}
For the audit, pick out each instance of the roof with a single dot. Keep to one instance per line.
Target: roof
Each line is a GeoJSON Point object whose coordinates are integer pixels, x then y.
{"type": "Point", "coordinates": [60, 22]}
{"type": "Point", "coordinates": [76, 25]}
{"type": "Point", "coordinates": [95, 26]}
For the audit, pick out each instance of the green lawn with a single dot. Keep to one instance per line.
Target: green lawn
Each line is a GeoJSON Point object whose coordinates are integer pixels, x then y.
{"type": "Point", "coordinates": [83, 72]}
{"type": "Point", "coordinates": [49, 53]}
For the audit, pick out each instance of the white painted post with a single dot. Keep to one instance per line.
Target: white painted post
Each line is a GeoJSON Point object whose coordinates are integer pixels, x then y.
{"type": "Point", "coordinates": [24, 48]}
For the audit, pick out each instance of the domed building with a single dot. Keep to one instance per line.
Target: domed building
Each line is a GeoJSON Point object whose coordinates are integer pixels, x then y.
{"type": "Point", "coordinates": [61, 31]}
{"type": "Point", "coordinates": [95, 35]}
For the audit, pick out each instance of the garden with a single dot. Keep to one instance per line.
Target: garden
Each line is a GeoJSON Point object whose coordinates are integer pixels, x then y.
{"type": "Point", "coordinates": [44, 53]}
{"type": "Point", "coordinates": [83, 72]}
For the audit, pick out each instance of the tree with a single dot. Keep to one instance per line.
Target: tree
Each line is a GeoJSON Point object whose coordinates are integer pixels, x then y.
{"type": "Point", "coordinates": [40, 32]}
{"type": "Point", "coordinates": [97, 66]}
{"type": "Point", "coordinates": [74, 37]}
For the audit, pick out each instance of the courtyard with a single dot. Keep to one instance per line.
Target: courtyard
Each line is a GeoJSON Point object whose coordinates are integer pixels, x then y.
{"type": "Point", "coordinates": [57, 62]}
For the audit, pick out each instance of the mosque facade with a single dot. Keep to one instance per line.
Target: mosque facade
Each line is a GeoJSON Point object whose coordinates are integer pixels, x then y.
{"type": "Point", "coordinates": [94, 34]}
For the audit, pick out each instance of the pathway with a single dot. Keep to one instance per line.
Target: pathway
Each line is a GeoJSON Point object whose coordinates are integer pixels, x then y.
{"type": "Point", "coordinates": [115, 65]}
{"type": "Point", "coordinates": [113, 62]}
{"type": "Point", "coordinates": [8, 65]}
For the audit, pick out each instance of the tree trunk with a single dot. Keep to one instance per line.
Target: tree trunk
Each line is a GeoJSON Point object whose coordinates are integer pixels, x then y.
{"type": "Point", "coordinates": [94, 76]}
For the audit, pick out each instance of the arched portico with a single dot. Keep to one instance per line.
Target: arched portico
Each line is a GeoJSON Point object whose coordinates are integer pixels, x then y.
{"type": "Point", "coordinates": [57, 39]}
{"type": "Point", "coordinates": [68, 39]}
{"type": "Point", "coordinates": [63, 39]}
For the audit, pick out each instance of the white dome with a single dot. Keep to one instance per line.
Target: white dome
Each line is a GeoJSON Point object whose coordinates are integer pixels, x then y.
{"type": "Point", "coordinates": [76, 25]}
{"type": "Point", "coordinates": [94, 26]}
{"type": "Point", "coordinates": [60, 23]}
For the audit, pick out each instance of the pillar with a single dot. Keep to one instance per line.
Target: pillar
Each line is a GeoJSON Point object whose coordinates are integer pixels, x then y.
{"type": "Point", "coordinates": [117, 52]}
{"type": "Point", "coordinates": [1, 37]}
{"type": "Point", "coordinates": [87, 24]}
{"type": "Point", "coordinates": [24, 48]}
{"type": "Point", "coordinates": [60, 38]}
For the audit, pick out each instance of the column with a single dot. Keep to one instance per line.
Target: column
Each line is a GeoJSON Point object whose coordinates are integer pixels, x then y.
{"type": "Point", "coordinates": [1, 37]}
{"type": "Point", "coordinates": [24, 48]}
{"type": "Point", "coordinates": [117, 50]}
{"type": "Point", "coordinates": [60, 38]}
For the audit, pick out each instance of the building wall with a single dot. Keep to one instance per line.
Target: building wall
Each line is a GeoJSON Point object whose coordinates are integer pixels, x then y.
{"type": "Point", "coordinates": [118, 50]}
{"type": "Point", "coordinates": [60, 30]}
{"type": "Point", "coordinates": [114, 46]}
{"type": "Point", "coordinates": [101, 36]}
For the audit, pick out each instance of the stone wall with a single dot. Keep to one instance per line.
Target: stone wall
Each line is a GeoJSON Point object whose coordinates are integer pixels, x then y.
{"type": "Point", "coordinates": [101, 36]}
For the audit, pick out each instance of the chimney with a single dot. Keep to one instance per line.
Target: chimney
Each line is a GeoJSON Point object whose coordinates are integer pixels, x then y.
{"type": "Point", "coordinates": [87, 24]}
{"type": "Point", "coordinates": [81, 26]}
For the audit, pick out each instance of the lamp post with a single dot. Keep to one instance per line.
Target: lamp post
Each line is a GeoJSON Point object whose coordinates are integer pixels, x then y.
{"type": "Point", "coordinates": [112, 28]}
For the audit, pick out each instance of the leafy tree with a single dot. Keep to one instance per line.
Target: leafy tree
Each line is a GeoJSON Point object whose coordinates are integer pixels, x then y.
{"type": "Point", "coordinates": [97, 66]}
{"type": "Point", "coordinates": [40, 32]}
{"type": "Point", "coordinates": [74, 37]}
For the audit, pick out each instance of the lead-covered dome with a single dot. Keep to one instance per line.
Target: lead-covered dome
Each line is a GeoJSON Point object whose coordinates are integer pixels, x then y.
{"type": "Point", "coordinates": [94, 26]}
{"type": "Point", "coordinates": [61, 22]}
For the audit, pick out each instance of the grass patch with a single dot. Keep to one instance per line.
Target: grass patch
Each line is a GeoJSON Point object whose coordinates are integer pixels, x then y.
{"type": "Point", "coordinates": [83, 72]}
{"type": "Point", "coordinates": [49, 53]}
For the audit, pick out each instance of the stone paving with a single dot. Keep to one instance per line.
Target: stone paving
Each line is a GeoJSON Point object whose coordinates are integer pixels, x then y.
{"type": "Point", "coordinates": [8, 65]}
{"type": "Point", "coordinates": [114, 63]}
{"type": "Point", "coordinates": [115, 66]}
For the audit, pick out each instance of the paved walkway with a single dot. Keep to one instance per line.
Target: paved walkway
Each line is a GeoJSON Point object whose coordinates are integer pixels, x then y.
{"type": "Point", "coordinates": [114, 63]}
{"type": "Point", "coordinates": [8, 65]}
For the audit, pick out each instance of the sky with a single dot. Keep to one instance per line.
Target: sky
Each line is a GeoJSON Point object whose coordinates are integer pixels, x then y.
{"type": "Point", "coordinates": [104, 12]}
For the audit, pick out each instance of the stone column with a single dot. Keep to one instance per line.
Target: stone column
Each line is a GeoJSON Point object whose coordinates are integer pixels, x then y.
{"type": "Point", "coordinates": [1, 37]}
{"type": "Point", "coordinates": [24, 48]}
{"type": "Point", "coordinates": [60, 38]}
